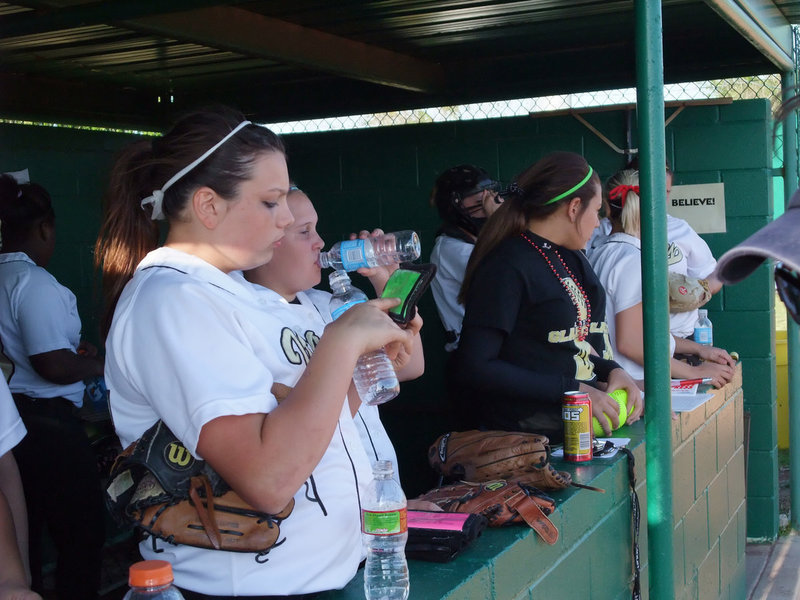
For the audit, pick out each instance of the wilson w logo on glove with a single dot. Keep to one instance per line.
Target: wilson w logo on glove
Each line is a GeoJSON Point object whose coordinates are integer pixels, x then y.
{"type": "Point", "coordinates": [158, 486]}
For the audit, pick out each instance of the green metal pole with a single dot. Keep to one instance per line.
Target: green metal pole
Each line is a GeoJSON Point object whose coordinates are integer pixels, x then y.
{"type": "Point", "coordinates": [790, 160]}
{"type": "Point", "coordinates": [658, 408]}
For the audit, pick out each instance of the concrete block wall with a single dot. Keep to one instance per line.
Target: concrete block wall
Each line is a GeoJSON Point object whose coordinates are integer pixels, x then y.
{"type": "Point", "coordinates": [732, 144]}
{"type": "Point", "coordinates": [709, 502]}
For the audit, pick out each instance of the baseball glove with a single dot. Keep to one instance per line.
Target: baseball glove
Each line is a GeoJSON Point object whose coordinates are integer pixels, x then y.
{"type": "Point", "coordinates": [158, 486]}
{"type": "Point", "coordinates": [502, 502]}
{"type": "Point", "coordinates": [486, 455]}
{"type": "Point", "coordinates": [686, 293]}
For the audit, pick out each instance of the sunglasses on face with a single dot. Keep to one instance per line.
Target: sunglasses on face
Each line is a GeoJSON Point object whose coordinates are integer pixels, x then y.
{"type": "Point", "coordinates": [788, 283]}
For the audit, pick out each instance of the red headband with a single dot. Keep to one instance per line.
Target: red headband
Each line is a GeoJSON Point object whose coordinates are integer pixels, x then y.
{"type": "Point", "coordinates": [621, 192]}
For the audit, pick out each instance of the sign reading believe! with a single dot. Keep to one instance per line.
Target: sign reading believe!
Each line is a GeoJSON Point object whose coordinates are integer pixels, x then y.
{"type": "Point", "coordinates": [701, 205]}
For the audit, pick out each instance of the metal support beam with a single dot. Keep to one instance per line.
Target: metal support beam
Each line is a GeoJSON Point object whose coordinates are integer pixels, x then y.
{"type": "Point", "coordinates": [658, 409]}
{"type": "Point", "coordinates": [763, 26]}
{"type": "Point", "coordinates": [253, 34]}
{"type": "Point", "coordinates": [790, 181]}
{"type": "Point", "coordinates": [47, 17]}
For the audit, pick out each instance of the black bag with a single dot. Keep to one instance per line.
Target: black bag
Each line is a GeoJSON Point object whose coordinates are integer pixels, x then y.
{"type": "Point", "coordinates": [440, 536]}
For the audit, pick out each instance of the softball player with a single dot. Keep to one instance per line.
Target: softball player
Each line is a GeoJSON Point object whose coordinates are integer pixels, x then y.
{"type": "Point", "coordinates": [291, 275]}
{"type": "Point", "coordinates": [195, 347]}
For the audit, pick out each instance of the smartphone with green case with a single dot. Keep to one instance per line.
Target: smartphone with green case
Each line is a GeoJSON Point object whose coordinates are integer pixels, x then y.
{"type": "Point", "coordinates": [408, 283]}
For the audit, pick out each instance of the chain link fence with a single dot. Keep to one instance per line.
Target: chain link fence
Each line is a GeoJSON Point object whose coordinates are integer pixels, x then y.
{"type": "Point", "coordinates": [759, 86]}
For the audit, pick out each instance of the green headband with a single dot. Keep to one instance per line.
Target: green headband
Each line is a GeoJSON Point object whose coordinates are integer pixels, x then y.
{"type": "Point", "coordinates": [581, 183]}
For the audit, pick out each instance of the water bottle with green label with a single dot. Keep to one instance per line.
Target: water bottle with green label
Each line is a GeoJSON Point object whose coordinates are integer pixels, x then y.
{"type": "Point", "coordinates": [385, 526]}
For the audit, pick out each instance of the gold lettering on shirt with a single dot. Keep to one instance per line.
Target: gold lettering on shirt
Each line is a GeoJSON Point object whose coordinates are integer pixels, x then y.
{"type": "Point", "coordinates": [298, 348]}
{"type": "Point", "coordinates": [584, 369]}
{"type": "Point", "coordinates": [602, 328]}
{"type": "Point", "coordinates": [674, 254]}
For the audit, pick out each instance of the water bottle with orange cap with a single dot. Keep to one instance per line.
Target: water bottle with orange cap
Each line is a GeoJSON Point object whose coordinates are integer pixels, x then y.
{"type": "Point", "coordinates": [151, 580]}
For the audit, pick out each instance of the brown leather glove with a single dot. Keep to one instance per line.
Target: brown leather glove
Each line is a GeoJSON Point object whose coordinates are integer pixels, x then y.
{"type": "Point", "coordinates": [156, 485]}
{"type": "Point", "coordinates": [502, 502]}
{"type": "Point", "coordinates": [486, 455]}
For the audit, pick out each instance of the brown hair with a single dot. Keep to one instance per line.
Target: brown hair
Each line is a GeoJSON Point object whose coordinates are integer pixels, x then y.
{"type": "Point", "coordinates": [128, 233]}
{"type": "Point", "coordinates": [527, 199]}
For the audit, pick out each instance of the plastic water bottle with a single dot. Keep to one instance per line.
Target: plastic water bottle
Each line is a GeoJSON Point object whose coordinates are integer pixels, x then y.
{"type": "Point", "coordinates": [385, 526]}
{"type": "Point", "coordinates": [374, 376]}
{"type": "Point", "coordinates": [151, 580]}
{"type": "Point", "coordinates": [703, 332]}
{"type": "Point", "coordinates": [386, 249]}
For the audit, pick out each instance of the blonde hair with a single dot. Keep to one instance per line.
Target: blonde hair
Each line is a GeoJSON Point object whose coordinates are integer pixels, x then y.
{"type": "Point", "coordinates": [625, 209]}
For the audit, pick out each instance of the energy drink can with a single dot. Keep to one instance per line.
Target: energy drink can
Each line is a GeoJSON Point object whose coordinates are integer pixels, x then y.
{"type": "Point", "coordinates": [576, 412]}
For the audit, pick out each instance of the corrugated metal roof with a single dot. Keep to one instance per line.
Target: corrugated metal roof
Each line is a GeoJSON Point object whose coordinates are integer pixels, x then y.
{"type": "Point", "coordinates": [108, 61]}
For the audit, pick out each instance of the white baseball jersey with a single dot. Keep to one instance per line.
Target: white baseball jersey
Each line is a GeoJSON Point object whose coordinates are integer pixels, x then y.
{"type": "Point", "coordinates": [12, 430]}
{"type": "Point", "coordinates": [37, 315]}
{"type": "Point", "coordinates": [190, 343]}
{"type": "Point", "coordinates": [374, 438]}
{"type": "Point", "coordinates": [450, 255]}
{"type": "Point", "coordinates": [618, 264]}
{"type": "Point", "coordinates": [599, 236]}
{"type": "Point", "coordinates": [689, 255]}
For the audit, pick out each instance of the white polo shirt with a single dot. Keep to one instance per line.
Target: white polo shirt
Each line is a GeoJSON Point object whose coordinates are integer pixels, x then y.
{"type": "Point", "coordinates": [37, 315]}
{"type": "Point", "coordinates": [190, 343]}
{"type": "Point", "coordinates": [12, 430]}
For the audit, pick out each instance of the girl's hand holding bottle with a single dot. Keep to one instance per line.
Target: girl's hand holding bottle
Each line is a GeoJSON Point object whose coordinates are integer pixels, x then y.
{"type": "Point", "coordinates": [367, 327]}
{"type": "Point", "coordinates": [378, 276]}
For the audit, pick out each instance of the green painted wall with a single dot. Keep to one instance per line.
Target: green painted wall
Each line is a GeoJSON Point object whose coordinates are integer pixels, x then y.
{"type": "Point", "coordinates": [382, 178]}
{"type": "Point", "coordinates": [732, 144]}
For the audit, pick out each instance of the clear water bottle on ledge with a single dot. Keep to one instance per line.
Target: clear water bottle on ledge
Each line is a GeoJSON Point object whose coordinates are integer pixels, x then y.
{"type": "Point", "coordinates": [374, 376]}
{"type": "Point", "coordinates": [386, 249]}
{"type": "Point", "coordinates": [703, 331]}
{"type": "Point", "coordinates": [385, 525]}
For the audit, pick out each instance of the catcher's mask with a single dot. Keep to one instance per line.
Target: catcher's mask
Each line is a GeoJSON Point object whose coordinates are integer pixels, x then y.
{"type": "Point", "coordinates": [456, 184]}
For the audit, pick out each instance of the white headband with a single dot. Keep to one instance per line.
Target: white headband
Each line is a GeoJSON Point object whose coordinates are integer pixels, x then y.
{"type": "Point", "coordinates": [157, 197]}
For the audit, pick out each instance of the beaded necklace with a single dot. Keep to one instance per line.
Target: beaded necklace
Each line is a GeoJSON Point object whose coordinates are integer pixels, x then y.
{"type": "Point", "coordinates": [582, 321]}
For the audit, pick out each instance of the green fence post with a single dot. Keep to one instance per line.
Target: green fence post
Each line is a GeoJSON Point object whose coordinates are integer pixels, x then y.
{"type": "Point", "coordinates": [790, 167]}
{"type": "Point", "coordinates": [658, 408]}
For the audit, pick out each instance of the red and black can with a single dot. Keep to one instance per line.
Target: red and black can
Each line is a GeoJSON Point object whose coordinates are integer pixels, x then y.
{"type": "Point", "coordinates": [576, 412]}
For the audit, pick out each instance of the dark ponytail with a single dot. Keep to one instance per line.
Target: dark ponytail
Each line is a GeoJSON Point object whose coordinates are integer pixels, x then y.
{"type": "Point", "coordinates": [530, 198]}
{"type": "Point", "coordinates": [23, 206]}
{"type": "Point", "coordinates": [126, 235]}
